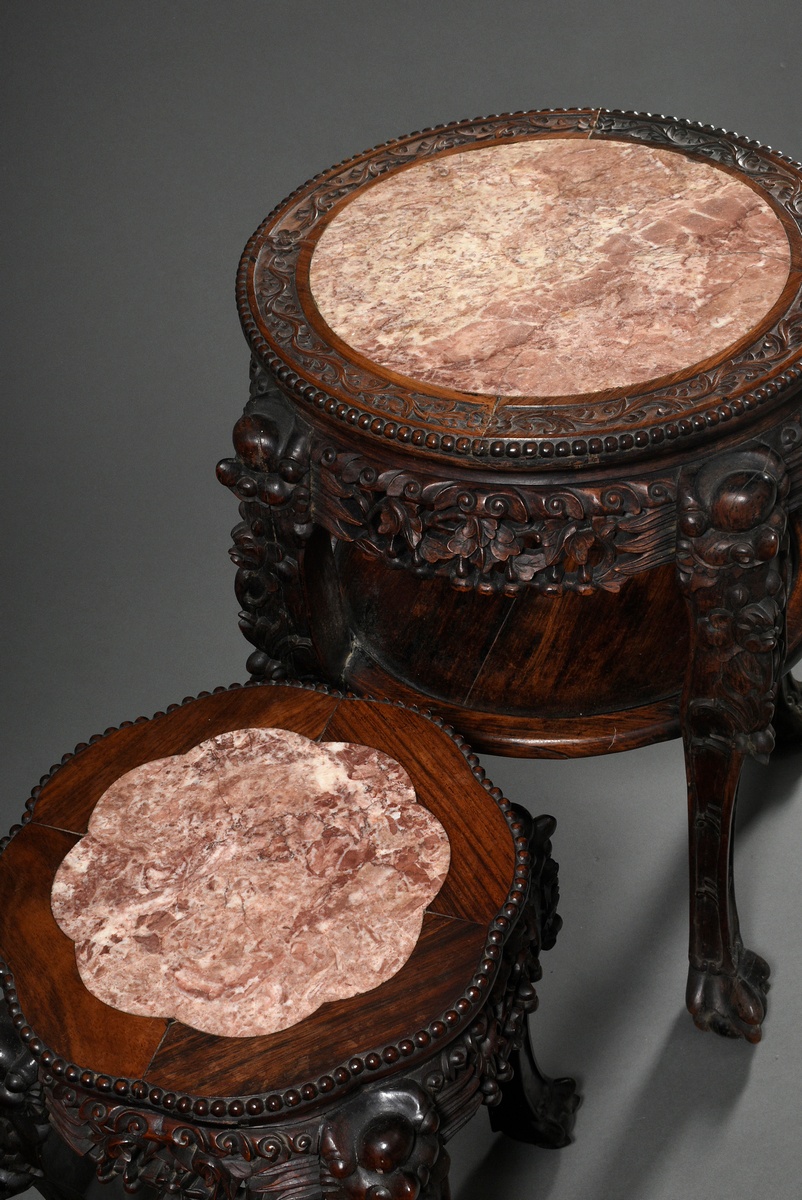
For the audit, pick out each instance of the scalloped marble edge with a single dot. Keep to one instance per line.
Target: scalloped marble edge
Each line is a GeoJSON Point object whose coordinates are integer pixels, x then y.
{"type": "Point", "coordinates": [377, 1062]}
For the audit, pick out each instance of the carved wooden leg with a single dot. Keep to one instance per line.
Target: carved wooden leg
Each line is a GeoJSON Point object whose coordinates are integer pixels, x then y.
{"type": "Point", "coordinates": [23, 1120]}
{"type": "Point", "coordinates": [532, 1107]}
{"type": "Point", "coordinates": [384, 1143]}
{"type": "Point", "coordinates": [731, 558]}
{"type": "Point", "coordinates": [727, 984]}
{"type": "Point", "coordinates": [270, 477]}
{"type": "Point", "coordinates": [788, 714]}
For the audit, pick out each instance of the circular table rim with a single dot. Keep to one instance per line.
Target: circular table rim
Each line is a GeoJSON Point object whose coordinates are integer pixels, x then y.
{"type": "Point", "coordinates": [344, 389]}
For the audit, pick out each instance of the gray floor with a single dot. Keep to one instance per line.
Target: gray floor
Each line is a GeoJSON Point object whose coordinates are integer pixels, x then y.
{"type": "Point", "coordinates": [141, 144]}
{"type": "Point", "coordinates": [667, 1111]}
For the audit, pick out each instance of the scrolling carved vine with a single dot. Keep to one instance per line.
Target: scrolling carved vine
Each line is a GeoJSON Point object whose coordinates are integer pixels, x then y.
{"type": "Point", "coordinates": [496, 537]}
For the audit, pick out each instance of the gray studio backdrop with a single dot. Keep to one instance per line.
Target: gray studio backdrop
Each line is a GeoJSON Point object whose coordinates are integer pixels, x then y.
{"type": "Point", "coordinates": [143, 141]}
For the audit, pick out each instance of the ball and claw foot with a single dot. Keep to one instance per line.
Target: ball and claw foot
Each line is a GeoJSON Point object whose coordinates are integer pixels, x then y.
{"type": "Point", "coordinates": [534, 1108]}
{"type": "Point", "coordinates": [730, 1005]}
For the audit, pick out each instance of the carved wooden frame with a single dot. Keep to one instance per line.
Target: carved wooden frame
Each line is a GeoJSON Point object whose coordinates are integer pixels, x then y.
{"type": "Point", "coordinates": [578, 535]}
{"type": "Point", "coordinates": [479, 532]}
{"type": "Point", "coordinates": [205, 1147]}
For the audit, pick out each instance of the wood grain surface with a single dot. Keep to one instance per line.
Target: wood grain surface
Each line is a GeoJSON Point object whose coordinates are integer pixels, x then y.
{"type": "Point", "coordinates": [444, 963]}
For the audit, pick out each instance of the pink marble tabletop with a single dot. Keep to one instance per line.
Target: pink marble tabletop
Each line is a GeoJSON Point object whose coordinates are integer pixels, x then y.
{"type": "Point", "coordinates": [549, 267]}
{"type": "Point", "coordinates": [241, 885]}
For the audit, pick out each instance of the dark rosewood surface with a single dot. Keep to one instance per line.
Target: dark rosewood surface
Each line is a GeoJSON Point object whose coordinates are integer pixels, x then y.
{"type": "Point", "coordinates": [553, 575]}
{"type": "Point", "coordinates": [158, 1103]}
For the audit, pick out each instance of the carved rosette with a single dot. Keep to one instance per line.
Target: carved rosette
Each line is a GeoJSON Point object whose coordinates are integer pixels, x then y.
{"type": "Point", "coordinates": [384, 1145]}
{"type": "Point", "coordinates": [495, 537]}
{"type": "Point", "coordinates": [732, 566]}
{"type": "Point", "coordinates": [270, 477]}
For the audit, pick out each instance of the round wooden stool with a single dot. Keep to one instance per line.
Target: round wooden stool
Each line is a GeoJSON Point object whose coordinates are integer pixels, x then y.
{"type": "Point", "coordinates": [524, 445]}
{"type": "Point", "coordinates": [303, 937]}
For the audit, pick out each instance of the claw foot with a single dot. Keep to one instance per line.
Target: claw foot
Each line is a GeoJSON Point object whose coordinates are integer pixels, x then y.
{"type": "Point", "coordinates": [731, 1005]}
{"type": "Point", "coordinates": [534, 1108]}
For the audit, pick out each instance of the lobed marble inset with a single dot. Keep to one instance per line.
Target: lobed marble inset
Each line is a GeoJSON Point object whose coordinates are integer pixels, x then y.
{"type": "Point", "coordinates": [550, 267]}
{"type": "Point", "coordinates": [241, 885]}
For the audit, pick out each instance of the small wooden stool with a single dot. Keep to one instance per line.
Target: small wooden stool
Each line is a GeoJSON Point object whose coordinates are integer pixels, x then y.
{"type": "Point", "coordinates": [524, 446]}
{"type": "Point", "coordinates": [358, 1097]}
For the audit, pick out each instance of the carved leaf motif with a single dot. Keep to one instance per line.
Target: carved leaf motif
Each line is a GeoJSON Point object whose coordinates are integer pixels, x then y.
{"type": "Point", "coordinates": [480, 540]}
{"type": "Point", "coordinates": [507, 536]}
{"type": "Point", "coordinates": [757, 627]}
{"type": "Point", "coordinates": [396, 518]}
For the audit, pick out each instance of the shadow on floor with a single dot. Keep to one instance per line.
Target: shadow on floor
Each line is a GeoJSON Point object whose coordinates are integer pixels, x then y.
{"type": "Point", "coordinates": [504, 1166]}
{"type": "Point", "coordinates": [695, 1083]}
{"type": "Point", "coordinates": [697, 1079]}
{"type": "Point", "coordinates": [770, 786]}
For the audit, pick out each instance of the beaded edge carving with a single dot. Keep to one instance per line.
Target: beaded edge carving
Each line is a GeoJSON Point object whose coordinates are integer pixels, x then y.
{"type": "Point", "coordinates": [376, 1062]}
{"type": "Point", "coordinates": [307, 367]}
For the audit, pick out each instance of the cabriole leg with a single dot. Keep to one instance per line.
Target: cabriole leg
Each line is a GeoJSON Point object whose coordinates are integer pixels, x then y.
{"type": "Point", "coordinates": [731, 558]}
{"type": "Point", "coordinates": [532, 1107]}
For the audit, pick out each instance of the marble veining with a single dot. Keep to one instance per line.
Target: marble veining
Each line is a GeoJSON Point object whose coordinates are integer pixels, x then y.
{"type": "Point", "coordinates": [549, 267]}
{"type": "Point", "coordinates": [241, 885]}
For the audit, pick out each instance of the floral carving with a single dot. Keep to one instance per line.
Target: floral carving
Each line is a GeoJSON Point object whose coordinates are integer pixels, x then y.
{"type": "Point", "coordinates": [186, 1159]}
{"type": "Point", "coordinates": [270, 478]}
{"type": "Point", "coordinates": [731, 563]}
{"type": "Point", "coordinates": [384, 1144]}
{"type": "Point", "coordinates": [579, 539]}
